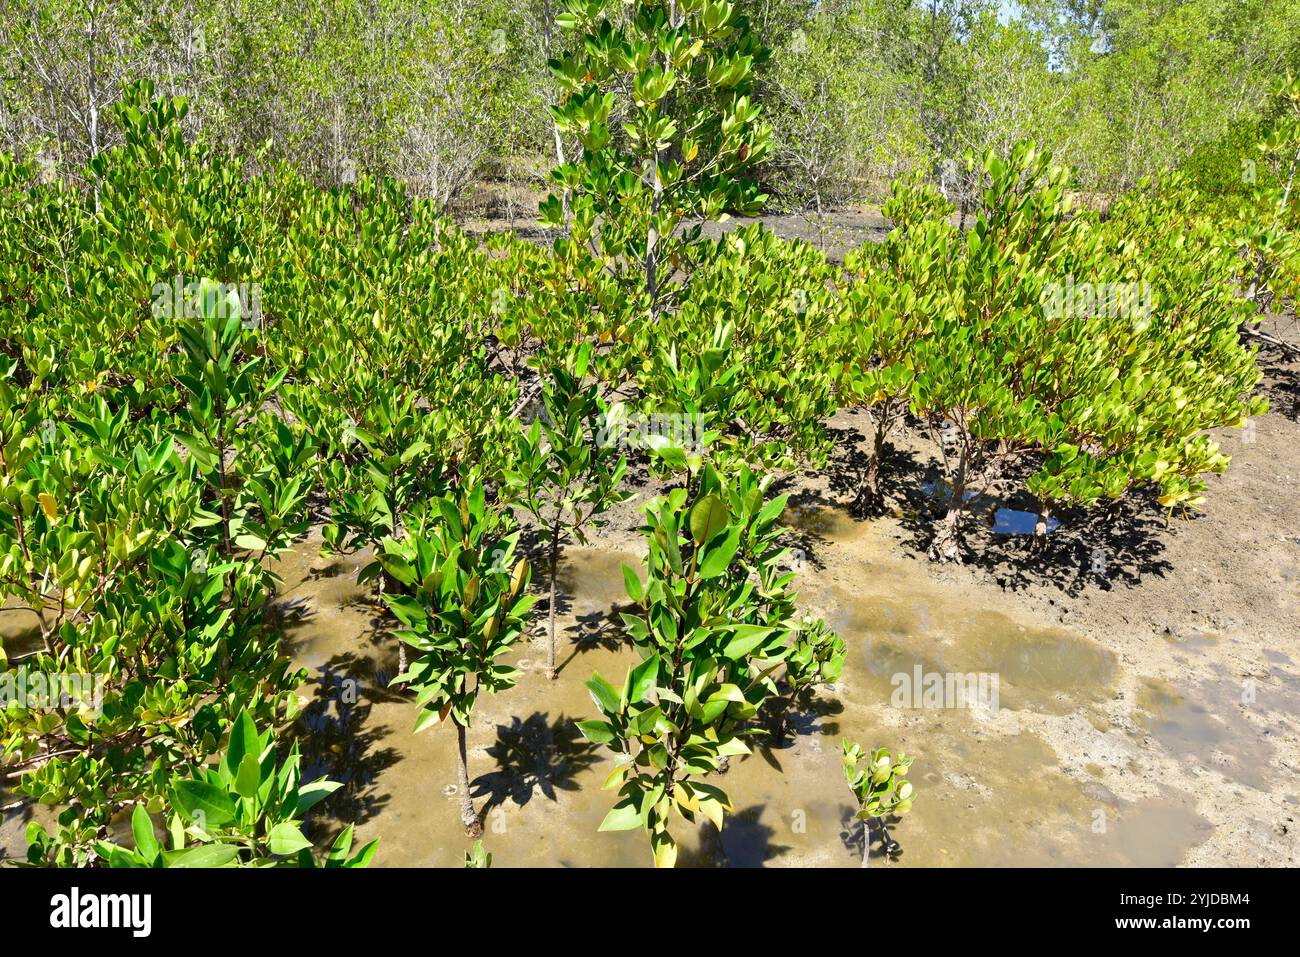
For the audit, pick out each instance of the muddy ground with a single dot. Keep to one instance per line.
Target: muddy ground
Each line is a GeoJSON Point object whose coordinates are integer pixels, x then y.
{"type": "Point", "coordinates": [1148, 696]}
{"type": "Point", "coordinates": [1148, 688]}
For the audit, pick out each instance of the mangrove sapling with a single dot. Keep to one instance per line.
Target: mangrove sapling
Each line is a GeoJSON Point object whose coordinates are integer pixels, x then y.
{"type": "Point", "coordinates": [247, 810]}
{"type": "Point", "coordinates": [463, 606]}
{"type": "Point", "coordinates": [661, 104]}
{"type": "Point", "coordinates": [880, 789]}
{"type": "Point", "coordinates": [709, 646]}
{"type": "Point", "coordinates": [816, 658]}
{"type": "Point", "coordinates": [386, 467]}
{"type": "Point", "coordinates": [567, 471]}
{"type": "Point", "coordinates": [478, 858]}
{"type": "Point", "coordinates": [219, 426]}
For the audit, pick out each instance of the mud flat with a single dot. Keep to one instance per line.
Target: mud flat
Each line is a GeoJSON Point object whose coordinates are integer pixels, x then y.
{"type": "Point", "coordinates": [1130, 727]}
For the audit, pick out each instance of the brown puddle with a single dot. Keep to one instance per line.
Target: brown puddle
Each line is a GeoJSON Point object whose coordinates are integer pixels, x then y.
{"type": "Point", "coordinates": [19, 632]}
{"type": "Point", "coordinates": [1042, 669]}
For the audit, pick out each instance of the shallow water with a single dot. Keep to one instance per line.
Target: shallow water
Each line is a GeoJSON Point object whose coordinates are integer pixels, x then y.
{"type": "Point", "coordinates": [1210, 731]}
{"type": "Point", "coordinates": [1011, 521]}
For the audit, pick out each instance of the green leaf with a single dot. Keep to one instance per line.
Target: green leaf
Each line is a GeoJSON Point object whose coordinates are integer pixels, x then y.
{"type": "Point", "coordinates": [632, 582]}
{"type": "Point", "coordinates": [624, 816]}
{"type": "Point", "coordinates": [642, 678]}
{"type": "Point", "coordinates": [708, 517]}
{"type": "Point", "coordinates": [718, 558]}
{"type": "Point", "coordinates": [745, 639]}
{"type": "Point", "coordinates": [205, 855]}
{"type": "Point", "coordinates": [243, 741]}
{"type": "Point", "coordinates": [198, 797]}
{"type": "Point", "coordinates": [249, 777]}
{"type": "Point", "coordinates": [142, 829]}
{"type": "Point", "coordinates": [286, 838]}
{"type": "Point", "coordinates": [597, 732]}
{"type": "Point", "coordinates": [604, 695]}
{"type": "Point", "coordinates": [309, 795]}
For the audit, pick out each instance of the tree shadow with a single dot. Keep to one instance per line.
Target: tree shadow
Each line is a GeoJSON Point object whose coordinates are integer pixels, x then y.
{"type": "Point", "coordinates": [744, 841]}
{"type": "Point", "coordinates": [1112, 543]}
{"type": "Point", "coordinates": [846, 472]}
{"type": "Point", "coordinates": [596, 629]}
{"type": "Point", "coordinates": [785, 722]}
{"type": "Point", "coordinates": [336, 743]}
{"type": "Point", "coordinates": [534, 755]}
{"type": "Point", "coordinates": [1281, 369]}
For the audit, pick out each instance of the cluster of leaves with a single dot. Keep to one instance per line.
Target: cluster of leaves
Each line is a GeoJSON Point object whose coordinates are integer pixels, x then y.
{"type": "Point", "coordinates": [1259, 213]}
{"type": "Point", "coordinates": [247, 810]}
{"type": "Point", "coordinates": [986, 339]}
{"type": "Point", "coordinates": [879, 786]}
{"type": "Point", "coordinates": [713, 625]}
{"type": "Point", "coordinates": [661, 105]}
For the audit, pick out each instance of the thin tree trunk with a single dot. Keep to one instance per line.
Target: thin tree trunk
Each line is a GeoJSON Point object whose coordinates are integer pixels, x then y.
{"type": "Point", "coordinates": [554, 561]}
{"type": "Point", "coordinates": [1040, 526]}
{"type": "Point", "coordinates": [866, 841]}
{"type": "Point", "coordinates": [401, 645]}
{"type": "Point", "coordinates": [947, 540]}
{"type": "Point", "coordinates": [869, 497]}
{"type": "Point", "coordinates": [467, 816]}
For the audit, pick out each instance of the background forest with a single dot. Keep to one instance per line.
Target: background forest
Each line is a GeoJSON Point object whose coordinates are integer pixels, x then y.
{"type": "Point", "coordinates": [449, 95]}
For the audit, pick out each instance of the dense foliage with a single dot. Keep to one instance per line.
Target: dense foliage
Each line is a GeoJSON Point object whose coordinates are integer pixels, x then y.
{"type": "Point", "coordinates": [204, 357]}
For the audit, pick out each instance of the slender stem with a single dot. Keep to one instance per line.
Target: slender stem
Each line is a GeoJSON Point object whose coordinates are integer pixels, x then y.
{"type": "Point", "coordinates": [554, 562]}
{"type": "Point", "coordinates": [467, 815]}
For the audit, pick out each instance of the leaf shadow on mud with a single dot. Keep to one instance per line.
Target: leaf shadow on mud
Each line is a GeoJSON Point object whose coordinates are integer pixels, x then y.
{"type": "Point", "coordinates": [1113, 543]}
{"type": "Point", "coordinates": [596, 629]}
{"type": "Point", "coordinates": [852, 836]}
{"type": "Point", "coordinates": [744, 841]}
{"type": "Point", "coordinates": [534, 755]}
{"type": "Point", "coordinates": [1109, 544]}
{"type": "Point", "coordinates": [336, 742]}
{"type": "Point", "coordinates": [785, 726]}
